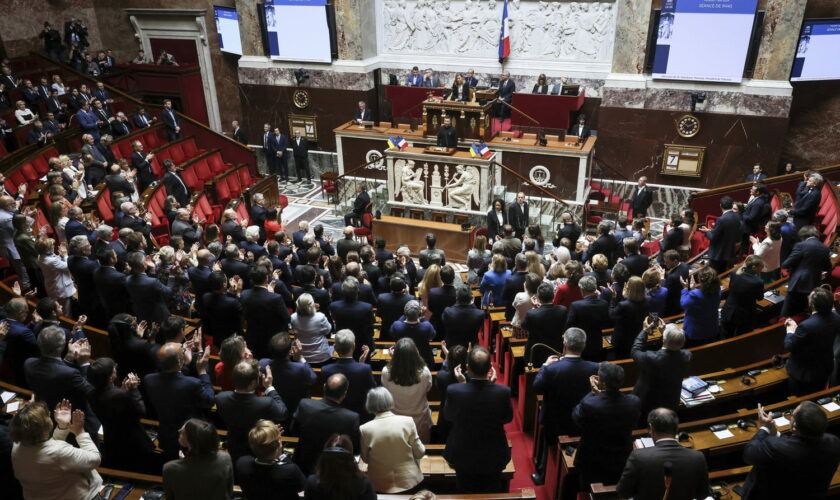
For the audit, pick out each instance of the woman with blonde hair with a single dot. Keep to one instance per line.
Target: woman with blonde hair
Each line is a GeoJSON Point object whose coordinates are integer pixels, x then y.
{"type": "Point", "coordinates": [267, 473]}
{"type": "Point", "coordinates": [600, 266]}
{"type": "Point", "coordinates": [408, 379]}
{"type": "Point", "coordinates": [628, 316]}
{"type": "Point", "coordinates": [24, 115]}
{"type": "Point", "coordinates": [431, 279]}
{"type": "Point", "coordinates": [476, 258]}
{"type": "Point", "coordinates": [312, 329]}
{"type": "Point", "coordinates": [535, 264]}
{"type": "Point", "coordinates": [492, 284]}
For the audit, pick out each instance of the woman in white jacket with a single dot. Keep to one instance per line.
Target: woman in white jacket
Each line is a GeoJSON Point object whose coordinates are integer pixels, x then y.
{"type": "Point", "coordinates": [408, 379]}
{"type": "Point", "coordinates": [391, 446]}
{"type": "Point", "coordinates": [50, 467]}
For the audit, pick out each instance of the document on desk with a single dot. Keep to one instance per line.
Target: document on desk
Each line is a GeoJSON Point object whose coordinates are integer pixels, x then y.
{"type": "Point", "coordinates": [644, 442]}
{"type": "Point", "coordinates": [12, 407]}
{"type": "Point", "coordinates": [724, 434]}
{"type": "Point", "coordinates": [7, 396]}
{"type": "Point", "coordinates": [831, 406]}
{"type": "Point", "coordinates": [775, 299]}
{"type": "Point", "coordinates": [781, 421]}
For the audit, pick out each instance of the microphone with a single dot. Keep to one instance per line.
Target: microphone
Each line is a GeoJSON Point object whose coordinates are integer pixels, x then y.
{"type": "Point", "coordinates": [668, 468]}
{"type": "Point", "coordinates": [531, 354]}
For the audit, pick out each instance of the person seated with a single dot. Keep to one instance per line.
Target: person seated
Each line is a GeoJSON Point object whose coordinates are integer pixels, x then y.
{"type": "Point", "coordinates": [205, 471]}
{"type": "Point", "coordinates": [430, 80]}
{"type": "Point", "coordinates": [141, 58]}
{"type": "Point", "coordinates": [541, 87]}
{"type": "Point", "coordinates": [580, 129]}
{"type": "Point", "coordinates": [460, 89]}
{"type": "Point", "coordinates": [756, 175]}
{"type": "Point", "coordinates": [557, 89]}
{"type": "Point", "coordinates": [268, 473]}
{"type": "Point", "coordinates": [363, 114]}
{"type": "Point", "coordinates": [23, 114]}
{"type": "Point", "coordinates": [414, 78]}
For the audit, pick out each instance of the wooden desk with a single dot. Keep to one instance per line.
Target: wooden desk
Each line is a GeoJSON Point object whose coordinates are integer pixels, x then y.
{"type": "Point", "coordinates": [411, 233]}
{"type": "Point", "coordinates": [470, 119]}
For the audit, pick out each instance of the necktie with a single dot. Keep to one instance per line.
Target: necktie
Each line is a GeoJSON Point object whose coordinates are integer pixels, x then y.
{"type": "Point", "coordinates": [145, 122]}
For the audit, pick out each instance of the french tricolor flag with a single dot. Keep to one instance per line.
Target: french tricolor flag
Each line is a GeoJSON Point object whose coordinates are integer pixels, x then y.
{"type": "Point", "coordinates": [504, 36]}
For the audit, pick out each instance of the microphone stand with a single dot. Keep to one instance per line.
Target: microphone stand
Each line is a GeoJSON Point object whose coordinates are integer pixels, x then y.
{"type": "Point", "coordinates": [530, 365]}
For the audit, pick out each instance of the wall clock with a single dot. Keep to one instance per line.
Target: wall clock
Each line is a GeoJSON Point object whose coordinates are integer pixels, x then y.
{"type": "Point", "coordinates": [301, 99]}
{"type": "Point", "coordinates": [688, 126]}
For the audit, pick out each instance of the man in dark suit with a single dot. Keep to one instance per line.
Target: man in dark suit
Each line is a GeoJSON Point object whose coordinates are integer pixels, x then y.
{"type": "Point", "coordinates": [746, 288]}
{"type": "Point", "coordinates": [351, 314]}
{"type": "Point", "coordinates": [392, 304]}
{"type": "Point", "coordinates": [110, 285]}
{"type": "Point", "coordinates": [171, 121]}
{"type": "Point", "coordinates": [477, 446]}
{"type": "Point", "coordinates": [241, 408]}
{"type": "Point", "coordinates": [238, 134]}
{"type": "Point", "coordinates": [806, 263]}
{"type": "Point", "coordinates": [51, 125]}
{"type": "Point", "coordinates": [175, 185]}
{"type": "Point", "coordinates": [723, 237]}
{"type": "Point", "coordinates": [362, 113]}
{"type": "Point", "coordinates": [447, 136]}
{"type": "Point", "coordinates": [221, 311]}
{"type": "Point", "coordinates": [116, 182]}
{"type": "Point", "coordinates": [199, 276]}
{"type": "Point", "coordinates": [260, 214]}
{"type": "Point", "coordinates": [675, 271]}
{"type": "Point", "coordinates": [37, 134]}
{"type": "Point", "coordinates": [581, 129]}
{"type": "Point", "coordinates": [264, 311]}
{"type": "Point", "coordinates": [470, 79]}
{"type": "Point", "coordinates": [807, 203]}
{"type": "Point", "coordinates": [590, 314]}
{"type": "Point", "coordinates": [440, 299]}
{"type": "Point", "coordinates": [300, 151]}
{"type": "Point", "coordinates": [811, 345]}
{"type": "Point", "coordinates": [361, 202]}
{"type": "Point", "coordinates": [637, 264]}
{"type": "Point", "coordinates": [544, 324]}
{"type": "Point", "coordinates": [757, 210]}
{"type": "Point", "coordinates": [756, 175]}
{"type": "Point", "coordinates": [563, 381]}
{"type": "Point", "coordinates": [642, 198]}
{"type": "Point", "coordinates": [672, 239]}
{"type": "Point", "coordinates": [82, 267]}
{"type": "Point", "coordinates": [231, 227]}
{"type": "Point", "coordinates": [177, 397]}
{"type": "Point", "coordinates": [148, 295]}
{"type": "Point", "coordinates": [358, 373]}
{"type": "Point", "coordinates": [606, 418]}
{"type": "Point", "coordinates": [317, 419]}
{"type": "Point", "coordinates": [366, 293]}
{"type": "Point", "coordinates": [506, 89]}
{"type": "Point", "coordinates": [514, 283]}
{"type": "Point", "coordinates": [279, 144]}
{"type": "Point", "coordinates": [796, 465]}
{"type": "Point", "coordinates": [605, 244]}
{"type": "Point", "coordinates": [120, 125]}
{"type": "Point", "coordinates": [661, 372]}
{"type": "Point", "coordinates": [287, 364]}
{"type": "Point", "coordinates": [567, 229]}
{"type": "Point", "coordinates": [347, 244]}
{"type": "Point", "coordinates": [142, 119]}
{"type": "Point", "coordinates": [518, 215]}
{"type": "Point", "coordinates": [189, 229]}
{"type": "Point", "coordinates": [644, 476]}
{"type": "Point", "coordinates": [140, 161]}
{"type": "Point", "coordinates": [21, 342]}
{"type": "Point", "coordinates": [462, 321]}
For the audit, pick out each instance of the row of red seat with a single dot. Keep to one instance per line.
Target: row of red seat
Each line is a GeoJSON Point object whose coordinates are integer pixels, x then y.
{"type": "Point", "coordinates": [31, 170]}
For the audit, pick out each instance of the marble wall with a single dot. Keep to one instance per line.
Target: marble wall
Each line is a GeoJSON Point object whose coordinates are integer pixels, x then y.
{"type": "Point", "coordinates": [717, 101]}
{"type": "Point", "coordinates": [782, 20]}
{"type": "Point", "coordinates": [631, 33]}
{"type": "Point", "coordinates": [23, 20]}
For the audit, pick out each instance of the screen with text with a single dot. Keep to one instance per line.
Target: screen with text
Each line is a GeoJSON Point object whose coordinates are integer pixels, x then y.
{"type": "Point", "coordinates": [298, 30]}
{"type": "Point", "coordinates": [227, 26]}
{"type": "Point", "coordinates": [818, 52]}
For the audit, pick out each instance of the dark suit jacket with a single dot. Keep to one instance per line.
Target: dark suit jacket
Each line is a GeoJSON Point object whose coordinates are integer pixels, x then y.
{"type": "Point", "coordinates": [674, 286]}
{"type": "Point", "coordinates": [240, 411]}
{"type": "Point", "coordinates": [138, 122]}
{"type": "Point", "coordinates": [513, 285]}
{"type": "Point", "coordinates": [175, 186]}
{"type": "Point", "coordinates": [643, 474]}
{"type": "Point", "coordinates": [119, 183]}
{"type": "Point", "coordinates": [145, 174]}
{"type": "Point", "coordinates": [239, 136]}
{"type": "Point", "coordinates": [439, 300]}
{"type": "Point", "coordinates": [592, 315]}
{"type": "Point", "coordinates": [638, 264]}
{"type": "Point", "coordinates": [461, 324]}
{"type": "Point", "coordinates": [343, 246]}
{"type": "Point", "coordinates": [756, 214]}
{"type": "Point", "coordinates": [259, 215]}
{"type": "Point", "coordinates": [518, 219]}
{"type": "Point", "coordinates": [583, 135]}
{"type": "Point", "coordinates": [571, 231]}
{"type": "Point", "coordinates": [177, 397]}
{"type": "Point", "coordinates": [314, 422]}
{"type": "Point", "coordinates": [361, 381]}
{"type": "Point", "coordinates": [641, 201]}
{"type": "Point", "coordinates": [627, 317]}
{"type": "Point", "coordinates": [790, 466]}
{"type": "Point", "coordinates": [672, 239]}
{"type": "Point", "coordinates": [235, 267]}
{"type": "Point", "coordinates": [477, 443]}
{"type": "Point", "coordinates": [506, 90]}
{"type": "Point", "coordinates": [198, 279]}
{"type": "Point", "coordinates": [366, 293]}
{"type": "Point", "coordinates": [806, 205]}
{"type": "Point", "coordinates": [53, 379]}
{"type": "Point", "coordinates": [295, 378]}
{"type": "Point", "coordinates": [806, 263]}
{"type": "Point", "coordinates": [21, 344]}
{"type": "Point", "coordinates": [661, 373]}
{"type": "Point", "coordinates": [76, 228]}
{"type": "Point", "coordinates": [301, 151]}
{"type": "Point", "coordinates": [234, 230]}
{"type": "Point", "coordinates": [364, 116]}
{"type": "Point", "coordinates": [82, 270]}
{"type": "Point", "coordinates": [390, 309]}
{"type": "Point", "coordinates": [724, 236]}
{"type": "Point", "coordinates": [604, 244]}
{"type": "Point", "coordinates": [811, 348]}
{"type": "Point", "coordinates": [563, 384]}
{"type": "Point", "coordinates": [421, 333]}
{"type": "Point", "coordinates": [266, 315]}
{"type": "Point", "coordinates": [606, 422]}
{"type": "Point", "coordinates": [120, 128]}
{"type": "Point", "coordinates": [170, 120]}
{"type": "Point", "coordinates": [221, 315]}
{"type": "Point", "coordinates": [356, 316]}
{"type": "Point", "coordinates": [493, 226]}
{"type": "Point", "coordinates": [543, 326]}
{"type": "Point", "coordinates": [745, 289]}
{"type": "Point", "coordinates": [465, 92]}
{"type": "Point", "coordinates": [148, 298]}
{"type": "Point", "coordinates": [119, 411]}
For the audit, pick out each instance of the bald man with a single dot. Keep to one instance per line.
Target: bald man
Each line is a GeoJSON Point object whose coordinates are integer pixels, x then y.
{"type": "Point", "coordinates": [347, 244]}
{"type": "Point", "coordinates": [177, 397]}
{"type": "Point", "coordinates": [200, 273]}
{"type": "Point", "coordinates": [316, 420]}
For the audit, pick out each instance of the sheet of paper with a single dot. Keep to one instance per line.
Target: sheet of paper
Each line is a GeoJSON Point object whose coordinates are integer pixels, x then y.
{"type": "Point", "coordinates": [714, 389]}
{"type": "Point", "coordinates": [781, 421]}
{"type": "Point", "coordinates": [7, 396]}
{"type": "Point", "coordinates": [13, 406]}
{"type": "Point", "coordinates": [832, 406]}
{"type": "Point", "coordinates": [647, 442]}
{"type": "Point", "coordinates": [724, 434]}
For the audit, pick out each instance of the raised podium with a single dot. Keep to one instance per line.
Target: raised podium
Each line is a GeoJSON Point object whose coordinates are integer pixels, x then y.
{"type": "Point", "coordinates": [470, 119]}
{"type": "Point", "coordinates": [551, 111]}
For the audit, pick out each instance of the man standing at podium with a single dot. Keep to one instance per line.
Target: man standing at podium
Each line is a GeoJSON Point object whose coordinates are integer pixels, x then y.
{"type": "Point", "coordinates": [447, 136]}
{"type": "Point", "coordinates": [506, 89]}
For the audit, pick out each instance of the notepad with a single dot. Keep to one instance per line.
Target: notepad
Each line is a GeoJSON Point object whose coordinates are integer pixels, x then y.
{"type": "Point", "coordinates": [645, 442]}
{"type": "Point", "coordinates": [13, 406]}
{"type": "Point", "coordinates": [831, 406]}
{"type": "Point", "coordinates": [781, 421]}
{"type": "Point", "coordinates": [7, 396]}
{"type": "Point", "coordinates": [724, 434]}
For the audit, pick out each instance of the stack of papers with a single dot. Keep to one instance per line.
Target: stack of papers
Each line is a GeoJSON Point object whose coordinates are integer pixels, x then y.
{"type": "Point", "coordinates": [688, 400]}
{"type": "Point", "coordinates": [775, 299]}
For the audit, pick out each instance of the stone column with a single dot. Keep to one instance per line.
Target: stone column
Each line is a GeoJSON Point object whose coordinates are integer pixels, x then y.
{"type": "Point", "coordinates": [631, 33]}
{"type": "Point", "coordinates": [778, 41]}
{"type": "Point", "coordinates": [249, 28]}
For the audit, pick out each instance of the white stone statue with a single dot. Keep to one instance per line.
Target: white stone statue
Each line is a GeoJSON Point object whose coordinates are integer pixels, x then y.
{"type": "Point", "coordinates": [463, 188]}
{"type": "Point", "coordinates": [409, 183]}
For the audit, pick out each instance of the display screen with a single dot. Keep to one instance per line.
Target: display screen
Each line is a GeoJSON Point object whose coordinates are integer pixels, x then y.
{"type": "Point", "coordinates": [818, 52]}
{"type": "Point", "coordinates": [227, 26]}
{"type": "Point", "coordinates": [703, 40]}
{"type": "Point", "coordinates": [298, 30]}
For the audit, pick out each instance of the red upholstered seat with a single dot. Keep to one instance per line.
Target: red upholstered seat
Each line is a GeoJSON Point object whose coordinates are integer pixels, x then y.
{"type": "Point", "coordinates": [152, 139]}
{"type": "Point", "coordinates": [365, 230]}
{"type": "Point", "coordinates": [233, 185]}
{"type": "Point", "coordinates": [217, 164]}
{"type": "Point", "coordinates": [41, 221]}
{"type": "Point", "coordinates": [125, 148]}
{"type": "Point", "coordinates": [177, 153]}
{"type": "Point", "coordinates": [191, 179]}
{"type": "Point", "coordinates": [190, 149]}
{"type": "Point", "coordinates": [222, 191]}
{"type": "Point", "coordinates": [202, 170]}
{"type": "Point", "coordinates": [245, 177]}
{"type": "Point", "coordinates": [157, 167]}
{"type": "Point", "coordinates": [163, 155]}
{"type": "Point", "coordinates": [103, 206]}
{"type": "Point", "coordinates": [16, 178]}
{"type": "Point", "coordinates": [242, 212]}
{"type": "Point", "coordinates": [41, 166]}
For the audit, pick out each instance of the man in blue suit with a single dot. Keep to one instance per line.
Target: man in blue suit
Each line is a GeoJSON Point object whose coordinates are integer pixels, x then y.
{"type": "Point", "coordinates": [21, 343]}
{"type": "Point", "coordinates": [264, 310]}
{"type": "Point", "coordinates": [88, 121]}
{"type": "Point", "coordinates": [606, 418]}
{"type": "Point", "coordinates": [278, 146]}
{"type": "Point", "coordinates": [351, 314]}
{"type": "Point", "coordinates": [177, 397]}
{"type": "Point", "coordinates": [392, 304]}
{"type": "Point", "coordinates": [148, 295]}
{"type": "Point", "coordinates": [441, 298]}
{"type": "Point", "coordinates": [171, 121]}
{"type": "Point", "coordinates": [110, 285]}
{"type": "Point", "coordinates": [75, 226]}
{"type": "Point", "coordinates": [592, 315]}
{"type": "Point", "coordinates": [414, 79]}
{"type": "Point", "coordinates": [477, 446]}
{"type": "Point", "coordinates": [358, 373]}
{"type": "Point", "coordinates": [723, 237]}
{"type": "Point", "coordinates": [470, 78]}
{"type": "Point", "coordinates": [757, 210]}
{"type": "Point", "coordinates": [807, 202]}
{"type": "Point", "coordinates": [462, 321]}
{"type": "Point", "coordinates": [796, 465]}
{"type": "Point", "coordinates": [756, 175]}
{"type": "Point", "coordinates": [806, 263]}
{"type": "Point", "coordinates": [142, 119]}
{"type": "Point", "coordinates": [289, 366]}
{"type": "Point", "coordinates": [811, 345]}
{"type": "Point", "coordinates": [199, 276]}
{"type": "Point", "coordinates": [563, 382]}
